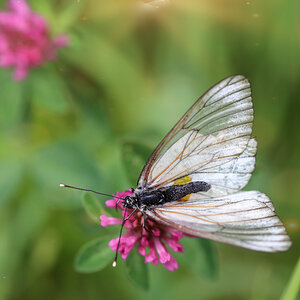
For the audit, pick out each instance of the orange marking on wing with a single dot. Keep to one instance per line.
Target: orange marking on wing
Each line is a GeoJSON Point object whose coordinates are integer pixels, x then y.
{"type": "Point", "coordinates": [183, 180]}
{"type": "Point", "coordinates": [185, 198]}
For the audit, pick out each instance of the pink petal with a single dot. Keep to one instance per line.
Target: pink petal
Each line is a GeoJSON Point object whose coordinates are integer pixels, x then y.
{"type": "Point", "coordinates": [128, 241]}
{"type": "Point", "coordinates": [106, 221]}
{"type": "Point", "coordinates": [7, 60]}
{"type": "Point", "coordinates": [142, 250]}
{"type": "Point", "coordinates": [155, 231]}
{"type": "Point", "coordinates": [144, 242]}
{"type": "Point", "coordinates": [152, 256]}
{"type": "Point", "coordinates": [174, 245]}
{"type": "Point", "coordinates": [40, 23]}
{"type": "Point", "coordinates": [174, 232]}
{"type": "Point", "coordinates": [124, 194]}
{"type": "Point", "coordinates": [126, 252]}
{"type": "Point", "coordinates": [4, 45]}
{"type": "Point", "coordinates": [130, 238]}
{"type": "Point", "coordinates": [111, 203]}
{"type": "Point", "coordinates": [162, 251]}
{"type": "Point", "coordinates": [171, 265]}
{"type": "Point", "coordinates": [19, 6]}
{"type": "Point", "coordinates": [113, 243]}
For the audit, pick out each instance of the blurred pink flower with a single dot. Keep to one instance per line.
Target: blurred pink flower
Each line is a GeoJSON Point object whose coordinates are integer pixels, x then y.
{"type": "Point", "coordinates": [152, 243]}
{"type": "Point", "coordinates": [25, 40]}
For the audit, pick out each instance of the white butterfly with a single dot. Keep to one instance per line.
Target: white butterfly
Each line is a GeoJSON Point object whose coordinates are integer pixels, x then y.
{"type": "Point", "coordinates": [192, 180]}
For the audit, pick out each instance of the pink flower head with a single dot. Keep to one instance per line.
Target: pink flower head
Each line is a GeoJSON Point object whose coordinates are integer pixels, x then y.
{"type": "Point", "coordinates": [153, 243]}
{"type": "Point", "coordinates": [25, 41]}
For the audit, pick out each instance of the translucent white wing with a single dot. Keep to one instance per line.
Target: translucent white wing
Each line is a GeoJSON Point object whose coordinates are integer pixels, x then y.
{"type": "Point", "coordinates": [244, 219]}
{"type": "Point", "coordinates": [211, 142]}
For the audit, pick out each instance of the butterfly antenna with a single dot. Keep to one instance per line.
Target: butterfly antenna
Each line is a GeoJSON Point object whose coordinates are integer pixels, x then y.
{"type": "Point", "coordinates": [87, 190]}
{"type": "Point", "coordinates": [114, 264]}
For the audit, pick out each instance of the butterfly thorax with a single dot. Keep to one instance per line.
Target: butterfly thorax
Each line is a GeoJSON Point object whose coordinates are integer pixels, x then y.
{"type": "Point", "coordinates": [148, 198]}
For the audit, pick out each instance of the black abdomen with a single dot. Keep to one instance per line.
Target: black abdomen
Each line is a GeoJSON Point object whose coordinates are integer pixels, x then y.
{"type": "Point", "coordinates": [172, 193]}
{"type": "Point", "coordinates": [176, 192]}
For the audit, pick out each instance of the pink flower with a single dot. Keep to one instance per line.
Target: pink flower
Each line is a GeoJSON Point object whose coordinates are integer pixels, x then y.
{"type": "Point", "coordinates": [153, 243]}
{"type": "Point", "coordinates": [25, 40]}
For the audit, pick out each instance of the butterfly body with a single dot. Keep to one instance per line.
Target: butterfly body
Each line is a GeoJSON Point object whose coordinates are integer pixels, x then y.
{"type": "Point", "coordinates": [144, 199]}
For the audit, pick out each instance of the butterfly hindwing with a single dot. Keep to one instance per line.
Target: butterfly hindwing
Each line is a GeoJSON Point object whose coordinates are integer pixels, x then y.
{"type": "Point", "coordinates": [244, 219]}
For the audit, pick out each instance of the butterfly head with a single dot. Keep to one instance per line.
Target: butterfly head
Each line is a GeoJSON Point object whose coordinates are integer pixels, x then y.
{"type": "Point", "coordinates": [130, 202]}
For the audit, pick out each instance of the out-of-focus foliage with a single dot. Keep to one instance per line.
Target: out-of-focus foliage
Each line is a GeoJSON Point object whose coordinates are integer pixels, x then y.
{"type": "Point", "coordinates": [93, 256]}
{"type": "Point", "coordinates": [292, 289]}
{"type": "Point", "coordinates": [131, 70]}
{"type": "Point", "coordinates": [137, 270]}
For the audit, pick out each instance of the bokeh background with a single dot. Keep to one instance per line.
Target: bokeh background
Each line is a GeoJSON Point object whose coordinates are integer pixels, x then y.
{"type": "Point", "coordinates": [131, 70]}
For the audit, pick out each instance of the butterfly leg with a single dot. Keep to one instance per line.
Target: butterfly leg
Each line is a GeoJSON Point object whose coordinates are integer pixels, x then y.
{"type": "Point", "coordinates": [144, 223]}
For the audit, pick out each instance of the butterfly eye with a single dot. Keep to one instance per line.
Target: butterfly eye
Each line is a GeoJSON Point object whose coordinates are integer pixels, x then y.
{"type": "Point", "coordinates": [130, 202]}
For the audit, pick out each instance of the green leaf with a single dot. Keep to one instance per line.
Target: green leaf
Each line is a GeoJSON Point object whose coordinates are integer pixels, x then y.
{"type": "Point", "coordinates": [94, 256]}
{"type": "Point", "coordinates": [292, 289]}
{"type": "Point", "coordinates": [93, 207]}
{"type": "Point", "coordinates": [137, 270]}
{"type": "Point", "coordinates": [134, 156]}
{"type": "Point", "coordinates": [10, 177]}
{"type": "Point", "coordinates": [199, 256]}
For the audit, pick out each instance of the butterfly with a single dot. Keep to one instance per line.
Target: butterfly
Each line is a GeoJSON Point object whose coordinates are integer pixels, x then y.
{"type": "Point", "coordinates": [193, 179]}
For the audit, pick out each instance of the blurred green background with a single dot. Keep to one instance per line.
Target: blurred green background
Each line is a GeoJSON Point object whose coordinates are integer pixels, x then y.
{"type": "Point", "coordinates": [131, 70]}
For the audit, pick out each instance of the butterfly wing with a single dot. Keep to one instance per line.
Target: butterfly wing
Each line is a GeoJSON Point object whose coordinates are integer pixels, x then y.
{"type": "Point", "coordinates": [244, 219]}
{"type": "Point", "coordinates": [210, 143]}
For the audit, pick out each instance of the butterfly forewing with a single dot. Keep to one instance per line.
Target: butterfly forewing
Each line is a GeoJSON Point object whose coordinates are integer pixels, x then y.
{"type": "Point", "coordinates": [211, 138]}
